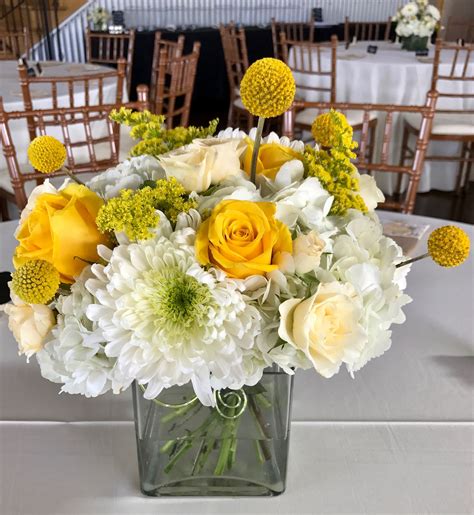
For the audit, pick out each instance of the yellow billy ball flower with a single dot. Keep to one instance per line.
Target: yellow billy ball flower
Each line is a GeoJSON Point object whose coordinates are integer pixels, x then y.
{"type": "Point", "coordinates": [46, 154]}
{"type": "Point", "coordinates": [448, 246]}
{"type": "Point", "coordinates": [332, 130]}
{"type": "Point", "coordinates": [35, 282]}
{"type": "Point", "coordinates": [268, 88]}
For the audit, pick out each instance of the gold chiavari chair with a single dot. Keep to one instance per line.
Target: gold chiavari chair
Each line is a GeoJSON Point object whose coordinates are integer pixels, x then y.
{"type": "Point", "coordinates": [14, 45]}
{"type": "Point", "coordinates": [315, 77]}
{"type": "Point", "coordinates": [173, 49]}
{"type": "Point", "coordinates": [174, 81]}
{"type": "Point", "coordinates": [413, 171]}
{"type": "Point", "coordinates": [97, 148]}
{"type": "Point", "coordinates": [366, 31]}
{"type": "Point", "coordinates": [293, 32]}
{"type": "Point", "coordinates": [103, 48]}
{"type": "Point", "coordinates": [237, 63]}
{"type": "Point", "coordinates": [71, 91]}
{"type": "Point", "coordinates": [453, 79]}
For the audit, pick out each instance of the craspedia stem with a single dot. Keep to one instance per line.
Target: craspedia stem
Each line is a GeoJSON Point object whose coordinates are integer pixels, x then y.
{"type": "Point", "coordinates": [412, 260]}
{"type": "Point", "coordinates": [256, 147]}
{"type": "Point", "coordinates": [72, 176]}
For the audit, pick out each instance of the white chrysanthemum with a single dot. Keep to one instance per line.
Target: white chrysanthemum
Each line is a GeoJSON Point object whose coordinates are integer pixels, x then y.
{"type": "Point", "coordinates": [296, 145]}
{"type": "Point", "coordinates": [167, 321]}
{"type": "Point", "coordinates": [410, 9]}
{"type": "Point", "coordinates": [433, 11]}
{"type": "Point", "coordinates": [366, 259]}
{"type": "Point", "coordinates": [130, 174]}
{"type": "Point", "coordinates": [74, 355]}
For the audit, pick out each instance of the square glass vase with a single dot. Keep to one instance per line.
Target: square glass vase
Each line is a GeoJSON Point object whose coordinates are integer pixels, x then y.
{"type": "Point", "coordinates": [414, 43]}
{"type": "Point", "coordinates": [237, 448]}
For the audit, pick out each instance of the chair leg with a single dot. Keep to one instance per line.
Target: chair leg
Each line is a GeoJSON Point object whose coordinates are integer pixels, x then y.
{"type": "Point", "coordinates": [464, 161]}
{"type": "Point", "coordinates": [4, 209]}
{"type": "Point", "coordinates": [371, 149]}
{"type": "Point", "coordinates": [230, 116]}
{"type": "Point", "coordinates": [403, 156]}
{"type": "Point", "coordinates": [467, 177]}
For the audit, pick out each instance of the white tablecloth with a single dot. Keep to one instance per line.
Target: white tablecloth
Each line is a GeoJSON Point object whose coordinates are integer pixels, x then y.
{"type": "Point", "coordinates": [393, 76]}
{"type": "Point", "coordinates": [396, 439]}
{"type": "Point", "coordinates": [41, 95]}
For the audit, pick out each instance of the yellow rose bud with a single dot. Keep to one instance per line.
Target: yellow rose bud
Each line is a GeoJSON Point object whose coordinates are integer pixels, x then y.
{"type": "Point", "coordinates": [61, 229]}
{"type": "Point", "coordinates": [242, 238]}
{"type": "Point", "coordinates": [271, 157]}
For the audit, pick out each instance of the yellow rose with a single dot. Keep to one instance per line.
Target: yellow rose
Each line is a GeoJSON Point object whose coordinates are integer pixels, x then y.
{"type": "Point", "coordinates": [61, 229]}
{"type": "Point", "coordinates": [271, 157]}
{"type": "Point", "coordinates": [29, 323]}
{"type": "Point", "coordinates": [242, 238]}
{"type": "Point", "coordinates": [325, 326]}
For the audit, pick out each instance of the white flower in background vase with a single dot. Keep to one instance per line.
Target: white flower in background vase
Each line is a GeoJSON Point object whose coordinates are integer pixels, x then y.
{"type": "Point", "coordinates": [409, 10]}
{"type": "Point", "coordinates": [433, 12]}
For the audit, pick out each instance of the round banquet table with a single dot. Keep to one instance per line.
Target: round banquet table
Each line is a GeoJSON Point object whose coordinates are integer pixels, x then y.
{"type": "Point", "coordinates": [396, 439]}
{"type": "Point", "coordinates": [41, 96]}
{"type": "Point", "coordinates": [394, 76]}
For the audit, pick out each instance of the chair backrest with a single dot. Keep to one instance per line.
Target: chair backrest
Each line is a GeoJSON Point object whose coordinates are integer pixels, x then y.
{"type": "Point", "coordinates": [173, 49]}
{"type": "Point", "coordinates": [175, 79]}
{"type": "Point", "coordinates": [366, 31]}
{"type": "Point", "coordinates": [453, 76]}
{"type": "Point", "coordinates": [310, 59]}
{"type": "Point", "coordinates": [380, 160]}
{"type": "Point", "coordinates": [72, 91]}
{"type": "Point", "coordinates": [91, 139]}
{"type": "Point", "coordinates": [235, 55]}
{"type": "Point", "coordinates": [14, 45]}
{"type": "Point", "coordinates": [457, 28]}
{"type": "Point", "coordinates": [103, 48]}
{"type": "Point", "coordinates": [293, 32]}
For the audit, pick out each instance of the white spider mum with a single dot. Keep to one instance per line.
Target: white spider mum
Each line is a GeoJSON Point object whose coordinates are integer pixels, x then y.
{"type": "Point", "coordinates": [75, 354]}
{"type": "Point", "coordinates": [167, 321]}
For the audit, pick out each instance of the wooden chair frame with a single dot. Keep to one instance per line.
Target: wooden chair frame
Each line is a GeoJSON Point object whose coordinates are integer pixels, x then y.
{"type": "Point", "coordinates": [111, 49]}
{"type": "Point", "coordinates": [366, 31]}
{"type": "Point", "coordinates": [413, 172]}
{"type": "Point", "coordinates": [461, 58]}
{"type": "Point", "coordinates": [237, 62]}
{"type": "Point", "coordinates": [175, 79]}
{"type": "Point", "coordinates": [88, 80]}
{"type": "Point", "coordinates": [293, 32]}
{"type": "Point", "coordinates": [173, 49]}
{"type": "Point", "coordinates": [13, 45]}
{"type": "Point", "coordinates": [85, 115]}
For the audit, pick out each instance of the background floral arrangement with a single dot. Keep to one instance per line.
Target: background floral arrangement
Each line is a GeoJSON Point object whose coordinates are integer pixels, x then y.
{"type": "Point", "coordinates": [418, 18]}
{"type": "Point", "coordinates": [173, 267]}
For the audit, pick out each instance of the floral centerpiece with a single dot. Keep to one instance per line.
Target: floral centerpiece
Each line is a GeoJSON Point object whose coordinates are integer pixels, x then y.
{"type": "Point", "coordinates": [416, 22]}
{"type": "Point", "coordinates": [99, 16]}
{"type": "Point", "coordinates": [204, 271]}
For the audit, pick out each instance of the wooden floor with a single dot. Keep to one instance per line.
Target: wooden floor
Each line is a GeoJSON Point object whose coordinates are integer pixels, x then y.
{"type": "Point", "coordinates": [441, 204]}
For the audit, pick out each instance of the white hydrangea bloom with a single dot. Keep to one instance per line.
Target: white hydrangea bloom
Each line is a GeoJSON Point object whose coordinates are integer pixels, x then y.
{"type": "Point", "coordinates": [130, 174]}
{"type": "Point", "coordinates": [74, 354]}
{"type": "Point", "coordinates": [168, 321]}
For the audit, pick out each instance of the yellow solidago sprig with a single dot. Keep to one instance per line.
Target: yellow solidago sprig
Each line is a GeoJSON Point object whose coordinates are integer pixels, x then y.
{"type": "Point", "coordinates": [337, 176]}
{"type": "Point", "coordinates": [267, 89]}
{"type": "Point", "coordinates": [134, 212]}
{"type": "Point", "coordinates": [448, 246]}
{"type": "Point", "coordinates": [36, 282]}
{"type": "Point", "coordinates": [155, 138]}
{"type": "Point", "coordinates": [333, 130]}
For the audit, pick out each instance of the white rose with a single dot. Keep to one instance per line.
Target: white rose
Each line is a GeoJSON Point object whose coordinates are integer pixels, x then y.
{"type": "Point", "coordinates": [433, 12]}
{"type": "Point", "coordinates": [325, 326]}
{"type": "Point", "coordinates": [369, 192]}
{"type": "Point", "coordinates": [29, 323]}
{"type": "Point", "coordinates": [307, 250]}
{"type": "Point", "coordinates": [410, 9]}
{"type": "Point", "coordinates": [204, 162]}
{"type": "Point", "coordinates": [227, 156]}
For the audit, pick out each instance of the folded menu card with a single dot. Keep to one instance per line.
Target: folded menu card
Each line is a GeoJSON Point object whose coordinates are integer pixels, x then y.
{"type": "Point", "coordinates": [406, 234]}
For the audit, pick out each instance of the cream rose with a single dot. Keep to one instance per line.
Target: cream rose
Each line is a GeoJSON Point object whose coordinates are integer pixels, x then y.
{"type": "Point", "coordinates": [29, 323]}
{"type": "Point", "coordinates": [203, 163]}
{"type": "Point", "coordinates": [325, 326]}
{"type": "Point", "coordinates": [307, 250]}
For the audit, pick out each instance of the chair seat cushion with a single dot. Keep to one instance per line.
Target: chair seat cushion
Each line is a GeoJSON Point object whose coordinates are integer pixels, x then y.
{"type": "Point", "coordinates": [456, 124]}
{"type": "Point", "coordinates": [307, 116]}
